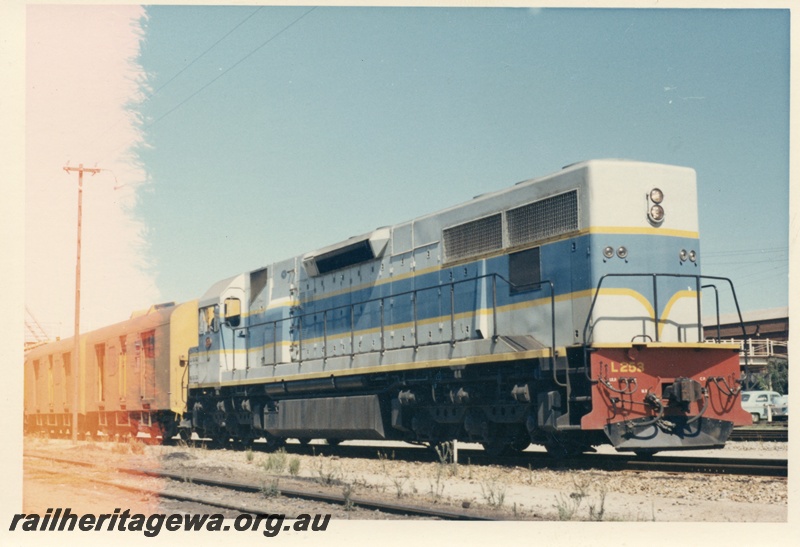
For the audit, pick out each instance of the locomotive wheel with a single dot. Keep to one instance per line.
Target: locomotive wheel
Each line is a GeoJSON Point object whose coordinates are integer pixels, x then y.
{"type": "Point", "coordinates": [219, 440]}
{"type": "Point", "coordinates": [519, 445]}
{"type": "Point", "coordinates": [245, 442]}
{"type": "Point", "coordinates": [497, 447]}
{"type": "Point", "coordinates": [566, 449]}
{"type": "Point", "coordinates": [274, 443]}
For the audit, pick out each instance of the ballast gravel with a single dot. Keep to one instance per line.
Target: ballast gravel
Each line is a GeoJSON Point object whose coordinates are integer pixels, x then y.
{"type": "Point", "coordinates": [502, 492]}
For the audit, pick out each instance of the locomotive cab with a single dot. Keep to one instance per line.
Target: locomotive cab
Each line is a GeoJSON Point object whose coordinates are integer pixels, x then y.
{"type": "Point", "coordinates": [219, 314]}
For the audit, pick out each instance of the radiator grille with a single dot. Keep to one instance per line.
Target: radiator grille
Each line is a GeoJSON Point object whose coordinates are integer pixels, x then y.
{"type": "Point", "coordinates": [543, 219]}
{"type": "Point", "coordinates": [474, 238]}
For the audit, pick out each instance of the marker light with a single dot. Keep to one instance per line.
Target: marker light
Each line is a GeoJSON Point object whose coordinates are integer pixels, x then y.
{"type": "Point", "coordinates": [608, 252]}
{"type": "Point", "coordinates": [656, 214]}
{"type": "Point", "coordinates": [622, 252]}
{"type": "Point", "coordinates": [656, 195]}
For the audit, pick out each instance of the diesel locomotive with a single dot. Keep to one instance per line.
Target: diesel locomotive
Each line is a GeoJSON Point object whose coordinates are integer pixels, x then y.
{"type": "Point", "coordinates": [563, 311]}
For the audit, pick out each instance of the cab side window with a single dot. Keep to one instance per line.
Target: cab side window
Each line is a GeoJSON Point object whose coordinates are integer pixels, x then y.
{"type": "Point", "coordinates": [233, 312]}
{"type": "Point", "coordinates": [207, 320]}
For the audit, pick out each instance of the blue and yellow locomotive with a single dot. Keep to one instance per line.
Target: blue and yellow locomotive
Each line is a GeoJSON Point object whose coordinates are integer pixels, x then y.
{"type": "Point", "coordinates": [564, 311]}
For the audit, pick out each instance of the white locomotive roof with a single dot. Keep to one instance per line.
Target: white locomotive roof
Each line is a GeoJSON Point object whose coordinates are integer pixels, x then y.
{"type": "Point", "coordinates": [212, 295]}
{"type": "Point", "coordinates": [485, 204]}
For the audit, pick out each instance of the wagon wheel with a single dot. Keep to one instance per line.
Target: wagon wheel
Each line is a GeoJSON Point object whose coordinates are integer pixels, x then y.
{"type": "Point", "coordinates": [157, 433]}
{"type": "Point", "coordinates": [333, 442]}
{"type": "Point", "coordinates": [185, 434]}
{"type": "Point", "coordinates": [133, 429]}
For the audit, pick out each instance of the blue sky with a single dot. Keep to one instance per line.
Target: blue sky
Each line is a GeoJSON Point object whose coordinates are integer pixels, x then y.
{"type": "Point", "coordinates": [232, 137]}
{"type": "Point", "coordinates": [268, 133]}
{"type": "Point", "coordinates": [303, 127]}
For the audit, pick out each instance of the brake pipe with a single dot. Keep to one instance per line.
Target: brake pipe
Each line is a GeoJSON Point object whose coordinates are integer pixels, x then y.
{"type": "Point", "coordinates": [630, 383]}
{"type": "Point", "coordinates": [725, 388]}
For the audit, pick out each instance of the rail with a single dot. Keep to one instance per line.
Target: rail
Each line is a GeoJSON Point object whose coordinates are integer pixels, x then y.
{"type": "Point", "coordinates": [309, 494]}
{"type": "Point", "coordinates": [296, 321]}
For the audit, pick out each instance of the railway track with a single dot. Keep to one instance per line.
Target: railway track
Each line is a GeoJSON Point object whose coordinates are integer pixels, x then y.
{"type": "Point", "coordinates": [160, 493]}
{"type": "Point", "coordinates": [773, 434]}
{"type": "Point", "coordinates": [716, 466]}
{"type": "Point", "coordinates": [674, 464]}
{"type": "Point", "coordinates": [772, 467]}
{"type": "Point", "coordinates": [541, 460]}
{"type": "Point", "coordinates": [439, 513]}
{"type": "Point", "coordinates": [376, 483]}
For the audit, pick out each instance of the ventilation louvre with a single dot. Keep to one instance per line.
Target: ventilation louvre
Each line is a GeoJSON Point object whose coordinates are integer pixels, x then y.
{"type": "Point", "coordinates": [543, 219]}
{"type": "Point", "coordinates": [474, 238]}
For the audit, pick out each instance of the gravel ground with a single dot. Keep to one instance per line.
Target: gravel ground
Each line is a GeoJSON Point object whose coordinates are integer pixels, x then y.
{"type": "Point", "coordinates": [507, 493]}
{"type": "Point", "coordinates": [89, 491]}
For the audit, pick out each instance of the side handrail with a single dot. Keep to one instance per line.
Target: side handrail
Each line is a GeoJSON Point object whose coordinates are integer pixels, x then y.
{"type": "Point", "coordinates": [656, 318]}
{"type": "Point", "coordinates": [716, 307]}
{"type": "Point", "coordinates": [413, 293]}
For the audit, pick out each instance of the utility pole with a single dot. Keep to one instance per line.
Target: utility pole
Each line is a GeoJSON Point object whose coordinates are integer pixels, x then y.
{"type": "Point", "coordinates": [76, 352]}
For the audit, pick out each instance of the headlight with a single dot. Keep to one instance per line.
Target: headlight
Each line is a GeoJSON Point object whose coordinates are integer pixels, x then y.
{"type": "Point", "coordinates": [656, 214]}
{"type": "Point", "coordinates": [608, 252]}
{"type": "Point", "coordinates": [692, 256]}
{"type": "Point", "coordinates": [684, 255]}
{"type": "Point", "coordinates": [656, 195]}
{"type": "Point", "coordinates": [622, 252]}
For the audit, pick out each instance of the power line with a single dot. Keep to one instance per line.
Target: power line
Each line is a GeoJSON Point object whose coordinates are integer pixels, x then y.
{"type": "Point", "coordinates": [749, 262]}
{"type": "Point", "coordinates": [212, 46]}
{"type": "Point", "coordinates": [762, 275]}
{"type": "Point", "coordinates": [34, 327]}
{"type": "Point", "coordinates": [745, 252]}
{"type": "Point", "coordinates": [184, 69]}
{"type": "Point", "coordinates": [237, 63]}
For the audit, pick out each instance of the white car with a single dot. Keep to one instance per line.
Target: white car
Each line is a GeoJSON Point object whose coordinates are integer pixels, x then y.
{"type": "Point", "coordinates": [763, 404]}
